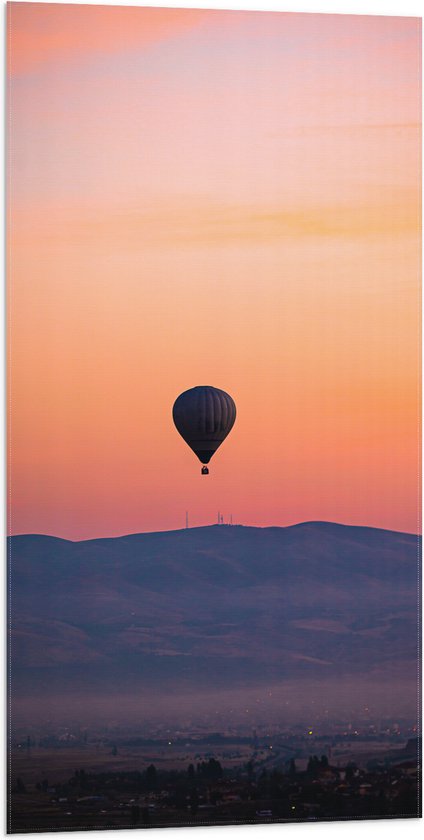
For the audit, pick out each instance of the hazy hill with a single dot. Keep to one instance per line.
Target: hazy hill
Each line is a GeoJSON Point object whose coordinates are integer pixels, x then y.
{"type": "Point", "coordinates": [215, 605]}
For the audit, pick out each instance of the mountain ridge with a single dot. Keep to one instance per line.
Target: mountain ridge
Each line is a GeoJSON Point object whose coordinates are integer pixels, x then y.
{"type": "Point", "coordinates": [221, 604]}
{"type": "Point", "coordinates": [306, 523]}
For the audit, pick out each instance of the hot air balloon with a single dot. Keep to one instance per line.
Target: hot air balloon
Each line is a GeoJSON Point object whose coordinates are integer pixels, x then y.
{"type": "Point", "coordinates": [204, 416]}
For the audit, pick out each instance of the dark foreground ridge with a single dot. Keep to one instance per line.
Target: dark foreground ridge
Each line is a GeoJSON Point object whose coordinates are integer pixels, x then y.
{"type": "Point", "coordinates": [224, 605]}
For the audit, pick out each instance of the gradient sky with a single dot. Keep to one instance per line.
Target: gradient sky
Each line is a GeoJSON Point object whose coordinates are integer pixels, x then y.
{"type": "Point", "coordinates": [221, 198]}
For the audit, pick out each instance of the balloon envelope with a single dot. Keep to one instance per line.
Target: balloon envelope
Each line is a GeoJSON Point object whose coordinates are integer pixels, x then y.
{"type": "Point", "coordinates": [204, 416]}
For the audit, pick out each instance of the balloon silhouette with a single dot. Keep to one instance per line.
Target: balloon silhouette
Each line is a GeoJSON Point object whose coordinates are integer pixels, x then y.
{"type": "Point", "coordinates": [204, 416]}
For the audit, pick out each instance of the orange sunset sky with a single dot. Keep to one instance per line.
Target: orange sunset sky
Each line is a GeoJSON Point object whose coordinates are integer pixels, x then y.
{"type": "Point", "coordinates": [219, 198]}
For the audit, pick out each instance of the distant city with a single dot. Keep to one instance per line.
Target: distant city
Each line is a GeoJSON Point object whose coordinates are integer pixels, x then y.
{"type": "Point", "coordinates": [162, 776]}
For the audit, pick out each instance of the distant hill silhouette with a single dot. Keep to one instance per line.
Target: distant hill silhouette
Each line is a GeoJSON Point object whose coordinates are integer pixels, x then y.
{"type": "Point", "coordinates": [221, 604]}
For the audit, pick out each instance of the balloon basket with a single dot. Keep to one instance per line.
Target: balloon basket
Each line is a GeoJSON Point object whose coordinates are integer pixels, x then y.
{"type": "Point", "coordinates": [205, 471]}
